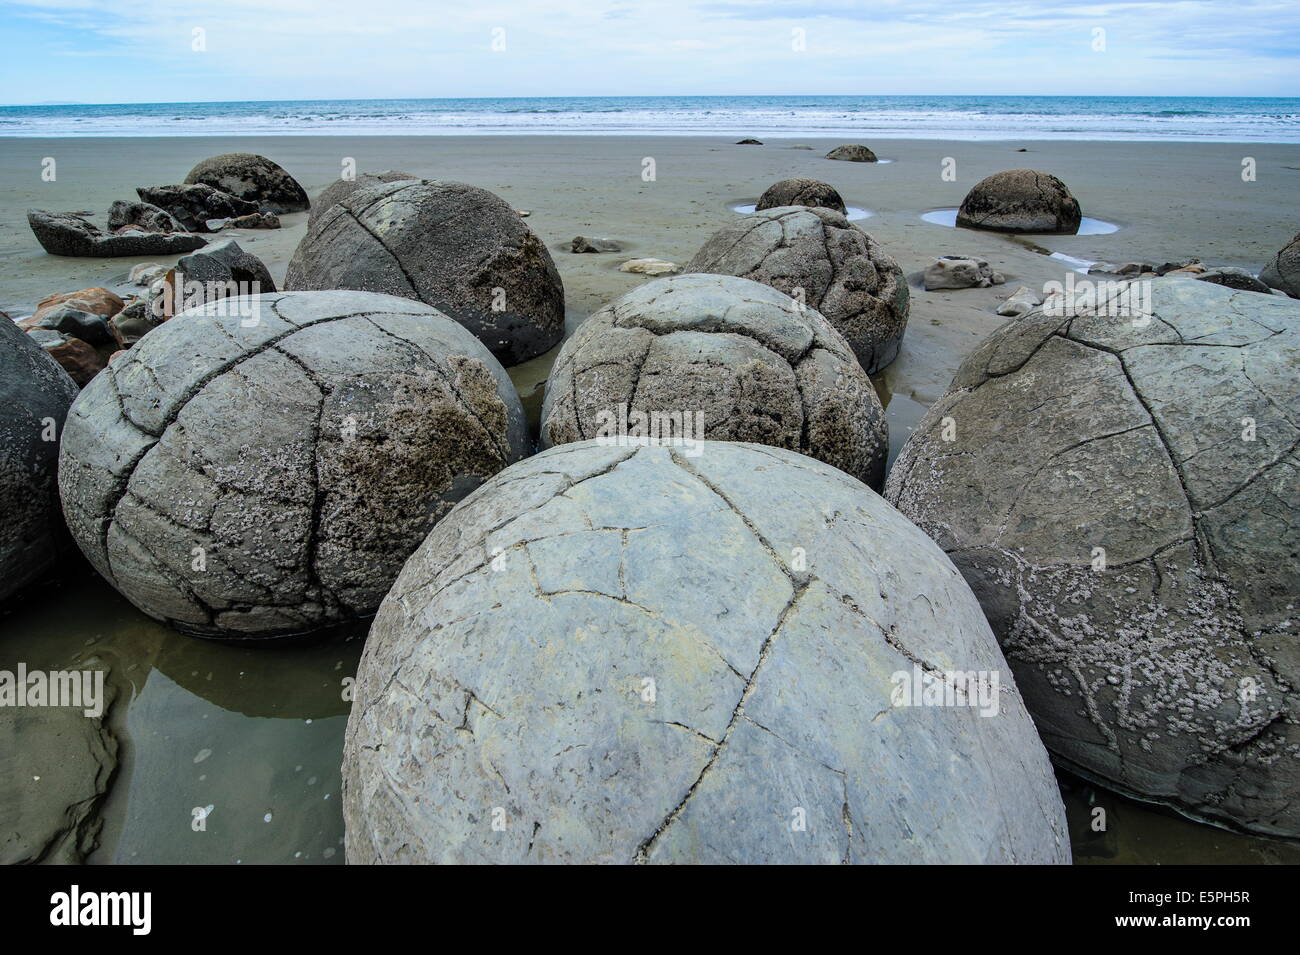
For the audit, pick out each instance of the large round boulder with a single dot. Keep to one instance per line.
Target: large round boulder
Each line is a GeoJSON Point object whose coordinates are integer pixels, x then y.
{"type": "Point", "coordinates": [628, 655]}
{"type": "Point", "coordinates": [340, 189]}
{"type": "Point", "coordinates": [1020, 200]}
{"type": "Point", "coordinates": [34, 397]}
{"type": "Point", "coordinates": [1119, 488]}
{"type": "Point", "coordinates": [825, 261]}
{"type": "Point", "coordinates": [852, 152]}
{"type": "Point", "coordinates": [693, 357]}
{"type": "Point", "coordinates": [252, 178]}
{"type": "Point", "coordinates": [263, 465]}
{"type": "Point", "coordinates": [801, 192]}
{"type": "Point", "coordinates": [456, 247]}
{"type": "Point", "coordinates": [1283, 270]}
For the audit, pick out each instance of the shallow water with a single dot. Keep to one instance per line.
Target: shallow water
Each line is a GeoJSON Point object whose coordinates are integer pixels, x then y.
{"type": "Point", "coordinates": [1087, 225]}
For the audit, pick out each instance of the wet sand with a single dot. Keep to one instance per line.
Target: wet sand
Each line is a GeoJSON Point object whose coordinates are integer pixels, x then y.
{"type": "Point", "coordinates": [258, 732]}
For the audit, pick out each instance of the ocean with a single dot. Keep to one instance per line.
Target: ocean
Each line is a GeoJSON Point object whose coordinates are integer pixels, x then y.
{"type": "Point", "coordinates": [1113, 118]}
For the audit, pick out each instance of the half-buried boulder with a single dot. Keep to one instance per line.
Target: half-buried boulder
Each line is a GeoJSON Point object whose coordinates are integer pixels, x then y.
{"type": "Point", "coordinates": [1283, 270]}
{"type": "Point", "coordinates": [1119, 489]}
{"type": "Point", "coordinates": [820, 258]}
{"type": "Point", "coordinates": [34, 397]}
{"type": "Point", "coordinates": [254, 179]}
{"type": "Point", "coordinates": [853, 152]}
{"type": "Point", "coordinates": [801, 192]}
{"type": "Point", "coordinates": [627, 655]}
{"type": "Point", "coordinates": [264, 470]}
{"type": "Point", "coordinates": [1020, 200]}
{"type": "Point", "coordinates": [682, 359]}
{"type": "Point", "coordinates": [456, 247]}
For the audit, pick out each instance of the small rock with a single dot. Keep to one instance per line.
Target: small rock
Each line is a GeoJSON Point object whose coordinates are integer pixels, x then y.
{"type": "Point", "coordinates": [146, 273]}
{"type": "Point", "coordinates": [583, 244]}
{"type": "Point", "coordinates": [1168, 267]}
{"type": "Point", "coordinates": [1238, 279]}
{"type": "Point", "coordinates": [80, 360]}
{"type": "Point", "coordinates": [90, 328]}
{"type": "Point", "coordinates": [748, 142]}
{"type": "Point", "coordinates": [62, 233]}
{"type": "Point", "coordinates": [959, 271]}
{"type": "Point", "coordinates": [650, 267]}
{"type": "Point", "coordinates": [96, 299]}
{"type": "Point", "coordinates": [141, 216]}
{"type": "Point", "coordinates": [134, 322]}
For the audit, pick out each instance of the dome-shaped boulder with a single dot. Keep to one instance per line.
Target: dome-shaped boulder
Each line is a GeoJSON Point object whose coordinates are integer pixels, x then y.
{"type": "Point", "coordinates": [454, 246]}
{"type": "Point", "coordinates": [801, 192]}
{"type": "Point", "coordinates": [819, 257]}
{"type": "Point", "coordinates": [252, 178]}
{"type": "Point", "coordinates": [1020, 200]}
{"type": "Point", "coordinates": [697, 357]}
{"type": "Point", "coordinates": [263, 465]}
{"type": "Point", "coordinates": [613, 655]}
{"type": "Point", "coordinates": [1120, 489]}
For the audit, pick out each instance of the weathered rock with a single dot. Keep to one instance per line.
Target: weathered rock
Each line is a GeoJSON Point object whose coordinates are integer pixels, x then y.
{"type": "Point", "coordinates": [960, 271]}
{"type": "Point", "coordinates": [34, 398]}
{"type": "Point", "coordinates": [1020, 200]}
{"type": "Point", "coordinates": [454, 246]}
{"type": "Point", "coordinates": [222, 269]}
{"type": "Point", "coordinates": [197, 204]}
{"type": "Point", "coordinates": [146, 273]}
{"type": "Point", "coordinates": [90, 328]}
{"type": "Point", "coordinates": [801, 192]}
{"type": "Point", "coordinates": [1019, 302]}
{"type": "Point", "coordinates": [1167, 267]}
{"type": "Point", "coordinates": [258, 220]}
{"type": "Point", "coordinates": [719, 358]}
{"type": "Point", "coordinates": [1120, 494]}
{"type": "Point", "coordinates": [852, 153]}
{"type": "Point", "coordinates": [134, 322]}
{"type": "Point", "coordinates": [144, 215]}
{"type": "Point", "coordinates": [610, 687]}
{"type": "Point", "coordinates": [1238, 279]}
{"type": "Point", "coordinates": [242, 478]}
{"type": "Point", "coordinates": [340, 189]}
{"type": "Point", "coordinates": [650, 266]}
{"type": "Point", "coordinates": [581, 243]}
{"type": "Point", "coordinates": [62, 233]}
{"type": "Point", "coordinates": [81, 360]}
{"type": "Point", "coordinates": [1282, 272]}
{"type": "Point", "coordinates": [818, 256]}
{"type": "Point", "coordinates": [97, 300]}
{"type": "Point", "coordinates": [748, 142]}
{"type": "Point", "coordinates": [252, 178]}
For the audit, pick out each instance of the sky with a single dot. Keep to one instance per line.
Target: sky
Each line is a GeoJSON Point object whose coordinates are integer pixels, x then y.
{"type": "Point", "coordinates": [139, 51]}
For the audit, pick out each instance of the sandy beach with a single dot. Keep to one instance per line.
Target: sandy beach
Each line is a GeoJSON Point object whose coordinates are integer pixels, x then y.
{"type": "Point", "coordinates": [1171, 201]}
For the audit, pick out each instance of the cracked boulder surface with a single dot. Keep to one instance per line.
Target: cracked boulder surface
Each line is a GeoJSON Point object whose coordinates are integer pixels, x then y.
{"type": "Point", "coordinates": [568, 656]}
{"type": "Point", "coordinates": [842, 272]}
{"type": "Point", "coordinates": [1137, 555]}
{"type": "Point", "coordinates": [35, 393]}
{"type": "Point", "coordinates": [737, 356]}
{"type": "Point", "coordinates": [252, 178]}
{"type": "Point", "coordinates": [340, 189]}
{"type": "Point", "coordinates": [1020, 200]}
{"type": "Point", "coordinates": [801, 191]}
{"type": "Point", "coordinates": [264, 471]}
{"type": "Point", "coordinates": [456, 247]}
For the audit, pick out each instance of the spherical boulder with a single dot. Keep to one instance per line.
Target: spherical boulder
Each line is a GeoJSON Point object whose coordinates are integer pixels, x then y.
{"type": "Point", "coordinates": [801, 192]}
{"type": "Point", "coordinates": [852, 152]}
{"type": "Point", "coordinates": [1283, 270]}
{"type": "Point", "coordinates": [833, 265]}
{"type": "Point", "coordinates": [631, 655]}
{"type": "Point", "coordinates": [456, 247]}
{"type": "Point", "coordinates": [34, 397]}
{"type": "Point", "coordinates": [1020, 200]}
{"type": "Point", "coordinates": [340, 189]}
{"type": "Point", "coordinates": [263, 465]}
{"type": "Point", "coordinates": [1119, 488]}
{"type": "Point", "coordinates": [694, 357]}
{"type": "Point", "coordinates": [252, 178]}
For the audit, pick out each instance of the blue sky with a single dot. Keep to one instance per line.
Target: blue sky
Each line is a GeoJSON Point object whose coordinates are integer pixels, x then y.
{"type": "Point", "coordinates": [129, 51]}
